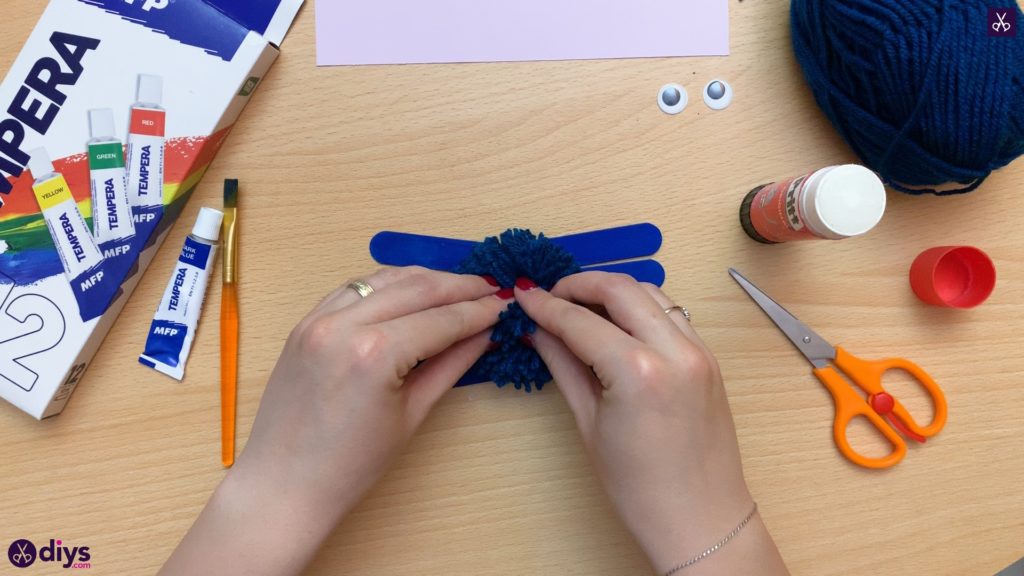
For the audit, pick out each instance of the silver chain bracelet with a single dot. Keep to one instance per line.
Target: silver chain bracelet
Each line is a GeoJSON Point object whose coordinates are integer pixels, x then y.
{"type": "Point", "coordinates": [716, 547]}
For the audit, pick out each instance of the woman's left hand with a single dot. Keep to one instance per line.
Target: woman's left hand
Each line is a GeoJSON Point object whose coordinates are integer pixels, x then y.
{"type": "Point", "coordinates": [355, 380]}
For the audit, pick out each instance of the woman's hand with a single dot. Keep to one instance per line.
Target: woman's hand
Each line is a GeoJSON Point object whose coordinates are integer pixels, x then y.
{"type": "Point", "coordinates": [356, 378]}
{"type": "Point", "coordinates": [651, 408]}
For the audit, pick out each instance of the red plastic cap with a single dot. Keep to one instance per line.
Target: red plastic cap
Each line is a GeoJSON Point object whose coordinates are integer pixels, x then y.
{"type": "Point", "coordinates": [953, 276]}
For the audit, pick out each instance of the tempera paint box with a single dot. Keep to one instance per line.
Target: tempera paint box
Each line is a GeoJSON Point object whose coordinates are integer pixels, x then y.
{"type": "Point", "coordinates": [109, 117]}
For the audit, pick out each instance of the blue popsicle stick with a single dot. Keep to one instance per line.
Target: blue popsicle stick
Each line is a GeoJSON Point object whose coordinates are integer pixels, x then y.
{"type": "Point", "coordinates": [434, 252]}
{"type": "Point", "coordinates": [622, 243]}
{"type": "Point", "coordinates": [643, 270]}
{"type": "Point", "coordinates": [437, 253]}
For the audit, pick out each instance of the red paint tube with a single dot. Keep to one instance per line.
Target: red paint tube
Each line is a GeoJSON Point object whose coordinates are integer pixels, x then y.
{"type": "Point", "coordinates": [831, 203]}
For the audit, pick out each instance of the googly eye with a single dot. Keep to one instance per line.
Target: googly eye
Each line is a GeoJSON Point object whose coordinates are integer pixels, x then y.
{"type": "Point", "coordinates": [717, 94]}
{"type": "Point", "coordinates": [672, 98]}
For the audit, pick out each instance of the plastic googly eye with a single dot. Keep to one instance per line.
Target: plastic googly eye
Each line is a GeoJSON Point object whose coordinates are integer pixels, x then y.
{"type": "Point", "coordinates": [672, 98]}
{"type": "Point", "coordinates": [717, 94]}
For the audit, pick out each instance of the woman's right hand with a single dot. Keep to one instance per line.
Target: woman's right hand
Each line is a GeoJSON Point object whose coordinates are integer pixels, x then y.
{"type": "Point", "coordinates": [650, 405]}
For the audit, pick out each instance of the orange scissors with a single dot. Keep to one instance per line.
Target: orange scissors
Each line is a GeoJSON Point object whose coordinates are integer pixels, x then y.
{"type": "Point", "coordinates": [831, 364]}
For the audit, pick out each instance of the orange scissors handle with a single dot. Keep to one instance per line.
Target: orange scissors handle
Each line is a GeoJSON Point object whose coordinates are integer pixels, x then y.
{"type": "Point", "coordinates": [849, 405]}
{"type": "Point", "coordinates": [867, 375]}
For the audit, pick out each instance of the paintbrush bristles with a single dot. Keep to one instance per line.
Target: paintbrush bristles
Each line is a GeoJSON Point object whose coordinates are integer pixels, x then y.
{"type": "Point", "coordinates": [228, 236]}
{"type": "Point", "coordinates": [230, 193]}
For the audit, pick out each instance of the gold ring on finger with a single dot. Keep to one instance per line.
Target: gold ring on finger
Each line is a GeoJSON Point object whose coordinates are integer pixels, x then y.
{"type": "Point", "coordinates": [686, 313]}
{"type": "Point", "coordinates": [362, 287]}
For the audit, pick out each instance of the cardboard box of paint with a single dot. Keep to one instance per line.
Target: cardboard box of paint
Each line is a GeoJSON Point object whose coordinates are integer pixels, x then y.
{"type": "Point", "coordinates": [81, 214]}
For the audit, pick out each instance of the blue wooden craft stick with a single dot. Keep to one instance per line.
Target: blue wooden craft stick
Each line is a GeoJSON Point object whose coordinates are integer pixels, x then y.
{"type": "Point", "coordinates": [642, 270]}
{"type": "Point", "coordinates": [434, 252]}
{"type": "Point", "coordinates": [437, 253]}
{"type": "Point", "coordinates": [612, 244]}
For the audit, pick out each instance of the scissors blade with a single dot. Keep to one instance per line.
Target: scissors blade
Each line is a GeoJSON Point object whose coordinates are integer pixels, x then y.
{"type": "Point", "coordinates": [816, 349]}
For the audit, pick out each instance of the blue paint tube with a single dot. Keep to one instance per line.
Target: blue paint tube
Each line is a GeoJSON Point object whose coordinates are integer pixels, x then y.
{"type": "Point", "coordinates": [174, 325]}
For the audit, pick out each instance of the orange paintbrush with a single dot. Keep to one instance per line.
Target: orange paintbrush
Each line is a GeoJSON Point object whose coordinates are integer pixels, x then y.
{"type": "Point", "coordinates": [229, 325]}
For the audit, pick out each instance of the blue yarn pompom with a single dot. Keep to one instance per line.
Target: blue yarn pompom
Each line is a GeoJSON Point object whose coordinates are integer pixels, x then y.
{"type": "Point", "coordinates": [918, 88]}
{"type": "Point", "coordinates": [514, 254]}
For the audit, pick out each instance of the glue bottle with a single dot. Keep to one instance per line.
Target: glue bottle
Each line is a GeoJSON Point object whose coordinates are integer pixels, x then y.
{"type": "Point", "coordinates": [831, 203]}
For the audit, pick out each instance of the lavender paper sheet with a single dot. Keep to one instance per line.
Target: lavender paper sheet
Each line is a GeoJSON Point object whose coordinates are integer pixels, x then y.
{"type": "Point", "coordinates": [355, 32]}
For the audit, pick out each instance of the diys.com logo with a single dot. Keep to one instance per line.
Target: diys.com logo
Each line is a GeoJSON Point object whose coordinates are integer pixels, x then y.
{"type": "Point", "coordinates": [23, 553]}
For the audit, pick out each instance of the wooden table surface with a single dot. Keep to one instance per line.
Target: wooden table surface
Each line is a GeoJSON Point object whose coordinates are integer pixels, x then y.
{"type": "Point", "coordinates": [496, 481]}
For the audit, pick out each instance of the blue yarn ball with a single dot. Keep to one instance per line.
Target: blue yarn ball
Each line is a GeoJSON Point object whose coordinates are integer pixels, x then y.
{"type": "Point", "coordinates": [517, 253]}
{"type": "Point", "coordinates": [917, 88]}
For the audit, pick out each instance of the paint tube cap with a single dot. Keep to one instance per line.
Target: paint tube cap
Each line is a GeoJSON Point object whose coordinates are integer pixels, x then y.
{"type": "Point", "coordinates": [101, 123]}
{"type": "Point", "coordinates": [151, 89]}
{"type": "Point", "coordinates": [953, 276]}
{"type": "Point", "coordinates": [39, 163]}
{"type": "Point", "coordinates": [208, 224]}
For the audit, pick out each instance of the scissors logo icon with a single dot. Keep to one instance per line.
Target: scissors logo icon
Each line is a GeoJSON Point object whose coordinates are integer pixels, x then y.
{"type": "Point", "coordinates": [21, 553]}
{"type": "Point", "coordinates": [1002, 25]}
{"type": "Point", "coordinates": [1002, 21]}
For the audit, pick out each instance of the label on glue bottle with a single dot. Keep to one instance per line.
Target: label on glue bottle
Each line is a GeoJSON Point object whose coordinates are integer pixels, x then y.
{"type": "Point", "coordinates": [775, 211]}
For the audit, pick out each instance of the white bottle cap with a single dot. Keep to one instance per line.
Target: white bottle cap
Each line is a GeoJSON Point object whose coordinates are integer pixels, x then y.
{"type": "Point", "coordinates": [101, 123]}
{"type": "Point", "coordinates": [151, 89]}
{"type": "Point", "coordinates": [208, 224]}
{"type": "Point", "coordinates": [39, 163]}
{"type": "Point", "coordinates": [844, 201]}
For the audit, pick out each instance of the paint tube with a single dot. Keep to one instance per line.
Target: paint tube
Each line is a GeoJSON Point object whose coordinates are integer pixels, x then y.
{"type": "Point", "coordinates": [111, 215]}
{"type": "Point", "coordinates": [174, 325]}
{"type": "Point", "coordinates": [146, 152]}
{"type": "Point", "coordinates": [80, 256]}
